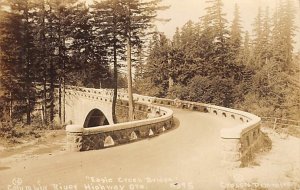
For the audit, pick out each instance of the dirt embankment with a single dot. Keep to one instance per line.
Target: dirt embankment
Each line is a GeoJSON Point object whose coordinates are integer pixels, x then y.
{"type": "Point", "coordinates": [45, 142]}
{"type": "Point", "coordinates": [278, 168]}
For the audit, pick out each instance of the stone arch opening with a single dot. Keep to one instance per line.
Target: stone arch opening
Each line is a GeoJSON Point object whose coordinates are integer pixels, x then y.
{"type": "Point", "coordinates": [109, 141]}
{"type": "Point", "coordinates": [95, 118]}
{"type": "Point", "coordinates": [133, 136]}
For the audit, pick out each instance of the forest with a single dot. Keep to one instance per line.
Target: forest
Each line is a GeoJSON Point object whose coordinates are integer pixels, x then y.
{"type": "Point", "coordinates": [216, 61]}
{"type": "Point", "coordinates": [48, 44]}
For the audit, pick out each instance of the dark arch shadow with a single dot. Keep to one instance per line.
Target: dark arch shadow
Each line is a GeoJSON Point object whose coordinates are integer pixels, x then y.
{"type": "Point", "coordinates": [95, 118]}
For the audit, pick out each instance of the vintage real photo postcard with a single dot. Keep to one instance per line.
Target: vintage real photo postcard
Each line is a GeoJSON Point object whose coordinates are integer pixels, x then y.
{"type": "Point", "coordinates": [149, 95]}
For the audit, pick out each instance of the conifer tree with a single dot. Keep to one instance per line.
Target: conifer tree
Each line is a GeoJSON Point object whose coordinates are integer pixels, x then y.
{"type": "Point", "coordinates": [236, 36]}
{"type": "Point", "coordinates": [261, 41]}
{"type": "Point", "coordinates": [138, 18]}
{"type": "Point", "coordinates": [283, 34]}
{"type": "Point", "coordinates": [108, 17]}
{"type": "Point", "coordinates": [157, 62]}
{"type": "Point", "coordinates": [217, 25]}
{"type": "Point", "coordinates": [22, 21]}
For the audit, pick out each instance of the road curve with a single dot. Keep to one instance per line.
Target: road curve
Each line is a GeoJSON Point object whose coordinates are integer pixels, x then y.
{"type": "Point", "coordinates": [188, 157]}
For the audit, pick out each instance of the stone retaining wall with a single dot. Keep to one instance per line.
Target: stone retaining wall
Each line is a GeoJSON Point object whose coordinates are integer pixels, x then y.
{"type": "Point", "coordinates": [141, 111]}
{"type": "Point", "coordinates": [99, 140]}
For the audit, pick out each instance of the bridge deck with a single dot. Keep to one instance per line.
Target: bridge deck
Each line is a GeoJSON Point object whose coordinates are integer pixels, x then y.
{"type": "Point", "coordinates": [190, 153]}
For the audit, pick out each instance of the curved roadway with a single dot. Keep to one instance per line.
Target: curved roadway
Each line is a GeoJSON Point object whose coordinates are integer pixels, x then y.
{"type": "Point", "coordinates": [188, 157]}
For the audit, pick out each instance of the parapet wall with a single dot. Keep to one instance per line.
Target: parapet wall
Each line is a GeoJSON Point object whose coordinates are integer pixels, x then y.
{"type": "Point", "coordinates": [149, 121]}
{"type": "Point", "coordinates": [141, 111]}
{"type": "Point", "coordinates": [239, 142]}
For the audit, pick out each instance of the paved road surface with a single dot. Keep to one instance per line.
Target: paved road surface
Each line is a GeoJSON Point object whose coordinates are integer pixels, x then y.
{"type": "Point", "coordinates": [188, 157]}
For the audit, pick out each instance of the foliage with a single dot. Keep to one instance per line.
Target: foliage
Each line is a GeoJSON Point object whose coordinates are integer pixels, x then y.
{"type": "Point", "coordinates": [45, 45]}
{"type": "Point", "coordinates": [213, 63]}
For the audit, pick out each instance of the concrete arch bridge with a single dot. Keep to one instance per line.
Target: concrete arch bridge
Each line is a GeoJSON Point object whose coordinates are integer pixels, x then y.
{"type": "Point", "coordinates": [172, 144]}
{"type": "Point", "coordinates": [92, 128]}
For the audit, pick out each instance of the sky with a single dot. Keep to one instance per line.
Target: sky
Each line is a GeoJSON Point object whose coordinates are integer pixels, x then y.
{"type": "Point", "coordinates": [183, 10]}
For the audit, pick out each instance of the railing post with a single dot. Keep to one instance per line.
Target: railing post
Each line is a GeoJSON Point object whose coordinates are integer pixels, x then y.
{"type": "Point", "coordinates": [231, 156]}
{"type": "Point", "coordinates": [74, 138]}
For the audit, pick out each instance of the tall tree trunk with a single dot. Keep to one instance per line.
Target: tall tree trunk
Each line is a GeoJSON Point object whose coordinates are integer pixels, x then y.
{"type": "Point", "coordinates": [28, 109]}
{"type": "Point", "coordinates": [59, 101]}
{"type": "Point", "coordinates": [59, 72]}
{"type": "Point", "coordinates": [51, 93]}
{"type": "Point", "coordinates": [115, 79]}
{"type": "Point", "coordinates": [51, 73]}
{"type": "Point", "coordinates": [10, 107]}
{"type": "Point", "coordinates": [45, 116]}
{"type": "Point", "coordinates": [115, 75]}
{"type": "Point", "coordinates": [27, 83]}
{"type": "Point", "coordinates": [43, 55]}
{"type": "Point", "coordinates": [129, 78]}
{"type": "Point", "coordinates": [45, 97]}
{"type": "Point", "coordinates": [64, 91]}
{"type": "Point", "coordinates": [27, 62]}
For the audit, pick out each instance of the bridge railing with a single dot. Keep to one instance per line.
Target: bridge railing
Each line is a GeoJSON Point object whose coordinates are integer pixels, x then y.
{"type": "Point", "coordinates": [239, 142]}
{"type": "Point", "coordinates": [159, 119]}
